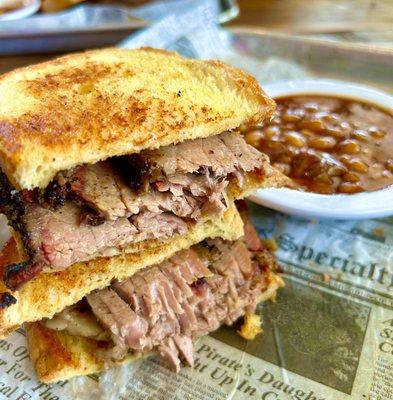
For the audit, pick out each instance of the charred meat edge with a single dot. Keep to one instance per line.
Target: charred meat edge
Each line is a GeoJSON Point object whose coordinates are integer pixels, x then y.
{"type": "Point", "coordinates": [6, 300]}
{"type": "Point", "coordinates": [12, 204]}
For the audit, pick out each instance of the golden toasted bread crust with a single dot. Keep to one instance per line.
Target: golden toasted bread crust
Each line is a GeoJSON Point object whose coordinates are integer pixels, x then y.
{"type": "Point", "coordinates": [48, 294]}
{"type": "Point", "coordinates": [87, 107]}
{"type": "Point", "coordinates": [58, 356]}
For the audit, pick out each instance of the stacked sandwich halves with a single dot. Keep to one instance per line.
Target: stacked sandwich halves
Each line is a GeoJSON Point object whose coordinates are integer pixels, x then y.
{"type": "Point", "coordinates": [119, 174]}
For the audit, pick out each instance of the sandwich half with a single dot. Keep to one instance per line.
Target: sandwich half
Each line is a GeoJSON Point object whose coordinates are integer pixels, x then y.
{"type": "Point", "coordinates": [159, 310]}
{"type": "Point", "coordinates": [48, 294]}
{"type": "Point", "coordinates": [112, 160]}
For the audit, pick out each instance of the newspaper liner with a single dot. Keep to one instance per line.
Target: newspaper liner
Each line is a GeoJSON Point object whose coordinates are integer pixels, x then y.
{"type": "Point", "coordinates": [329, 335]}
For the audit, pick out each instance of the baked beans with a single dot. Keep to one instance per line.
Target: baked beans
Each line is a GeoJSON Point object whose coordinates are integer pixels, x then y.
{"type": "Point", "coordinates": [329, 144]}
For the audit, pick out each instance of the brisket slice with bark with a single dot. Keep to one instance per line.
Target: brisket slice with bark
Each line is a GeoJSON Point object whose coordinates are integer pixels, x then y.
{"type": "Point", "coordinates": [181, 172]}
{"type": "Point", "coordinates": [63, 241]}
{"type": "Point", "coordinates": [88, 211]}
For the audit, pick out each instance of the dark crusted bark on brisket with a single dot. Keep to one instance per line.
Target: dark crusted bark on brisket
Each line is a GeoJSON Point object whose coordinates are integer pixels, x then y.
{"type": "Point", "coordinates": [6, 300]}
{"type": "Point", "coordinates": [12, 204]}
{"type": "Point", "coordinates": [17, 274]}
{"type": "Point", "coordinates": [134, 169]}
{"type": "Point", "coordinates": [56, 194]}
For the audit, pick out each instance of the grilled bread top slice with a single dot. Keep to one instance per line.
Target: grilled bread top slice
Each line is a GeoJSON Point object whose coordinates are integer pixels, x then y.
{"type": "Point", "coordinates": [89, 106]}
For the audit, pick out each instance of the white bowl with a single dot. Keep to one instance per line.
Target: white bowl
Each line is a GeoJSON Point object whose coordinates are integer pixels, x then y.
{"type": "Point", "coordinates": [338, 206]}
{"type": "Point", "coordinates": [29, 9]}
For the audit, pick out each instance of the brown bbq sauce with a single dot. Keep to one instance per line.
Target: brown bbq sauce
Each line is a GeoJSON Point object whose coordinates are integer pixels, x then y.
{"type": "Point", "coordinates": [329, 144]}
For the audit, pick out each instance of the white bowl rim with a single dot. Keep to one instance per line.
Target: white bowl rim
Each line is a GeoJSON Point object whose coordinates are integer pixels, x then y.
{"type": "Point", "coordinates": [21, 12]}
{"type": "Point", "coordinates": [311, 205]}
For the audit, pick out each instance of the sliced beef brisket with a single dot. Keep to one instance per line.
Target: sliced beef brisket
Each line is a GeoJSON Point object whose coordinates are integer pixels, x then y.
{"type": "Point", "coordinates": [162, 308]}
{"type": "Point", "coordinates": [90, 210]}
{"type": "Point", "coordinates": [62, 240]}
{"type": "Point", "coordinates": [222, 154]}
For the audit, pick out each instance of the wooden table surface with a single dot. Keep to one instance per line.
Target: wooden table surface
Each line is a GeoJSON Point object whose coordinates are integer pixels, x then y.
{"type": "Point", "coordinates": [317, 16]}
{"type": "Point", "coordinates": [358, 18]}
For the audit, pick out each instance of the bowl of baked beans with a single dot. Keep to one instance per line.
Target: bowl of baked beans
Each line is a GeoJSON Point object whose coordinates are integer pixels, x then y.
{"type": "Point", "coordinates": [334, 139]}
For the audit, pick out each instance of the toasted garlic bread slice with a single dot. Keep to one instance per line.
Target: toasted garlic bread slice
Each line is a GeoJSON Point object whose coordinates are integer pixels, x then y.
{"type": "Point", "coordinates": [90, 106]}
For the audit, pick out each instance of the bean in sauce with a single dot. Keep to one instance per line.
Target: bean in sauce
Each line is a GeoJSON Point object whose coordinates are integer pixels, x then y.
{"type": "Point", "coordinates": [329, 144]}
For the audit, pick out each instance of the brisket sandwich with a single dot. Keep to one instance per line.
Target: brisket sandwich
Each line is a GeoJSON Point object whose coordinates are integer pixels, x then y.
{"type": "Point", "coordinates": [158, 310]}
{"type": "Point", "coordinates": [113, 161]}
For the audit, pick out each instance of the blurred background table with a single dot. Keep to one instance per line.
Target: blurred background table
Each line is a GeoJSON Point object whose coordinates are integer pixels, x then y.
{"type": "Point", "coordinates": [317, 16]}
{"type": "Point", "coordinates": [365, 21]}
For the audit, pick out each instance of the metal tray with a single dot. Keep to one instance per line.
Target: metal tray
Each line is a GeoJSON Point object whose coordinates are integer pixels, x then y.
{"type": "Point", "coordinates": [81, 27]}
{"type": "Point", "coordinates": [359, 63]}
{"type": "Point", "coordinates": [320, 58]}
